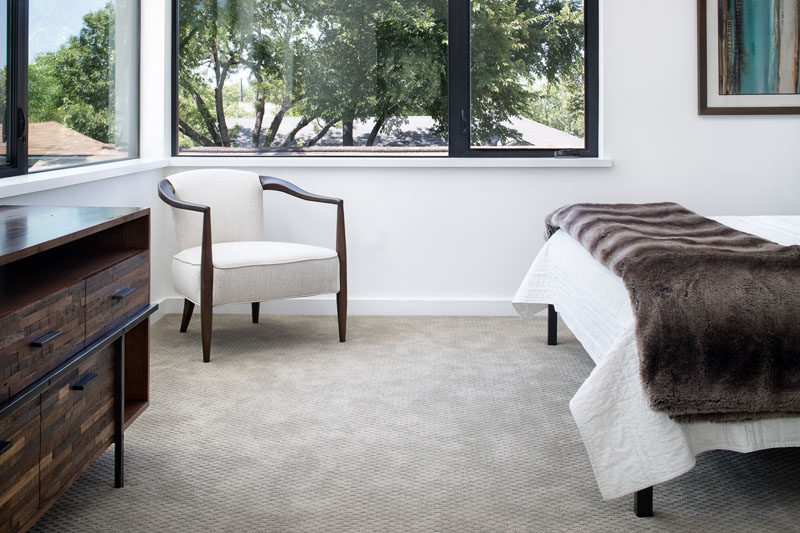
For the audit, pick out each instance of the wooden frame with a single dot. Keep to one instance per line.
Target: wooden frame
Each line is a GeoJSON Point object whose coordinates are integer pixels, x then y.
{"type": "Point", "coordinates": [705, 107]}
{"type": "Point", "coordinates": [167, 193]}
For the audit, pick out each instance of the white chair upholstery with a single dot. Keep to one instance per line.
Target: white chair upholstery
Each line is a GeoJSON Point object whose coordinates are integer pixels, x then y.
{"type": "Point", "coordinates": [257, 271]}
{"type": "Point", "coordinates": [236, 200]}
{"type": "Point", "coordinates": [243, 266]}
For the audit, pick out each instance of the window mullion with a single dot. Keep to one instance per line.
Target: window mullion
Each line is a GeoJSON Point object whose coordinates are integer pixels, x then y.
{"type": "Point", "coordinates": [458, 69]}
{"type": "Point", "coordinates": [17, 86]}
{"type": "Point", "coordinates": [19, 123]}
{"type": "Point", "coordinates": [591, 76]}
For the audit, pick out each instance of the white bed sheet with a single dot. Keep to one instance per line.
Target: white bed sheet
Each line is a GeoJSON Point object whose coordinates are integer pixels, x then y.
{"type": "Point", "coordinates": [630, 446]}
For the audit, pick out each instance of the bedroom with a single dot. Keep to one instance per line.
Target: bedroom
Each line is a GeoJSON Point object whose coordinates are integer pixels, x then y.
{"type": "Point", "coordinates": [429, 239]}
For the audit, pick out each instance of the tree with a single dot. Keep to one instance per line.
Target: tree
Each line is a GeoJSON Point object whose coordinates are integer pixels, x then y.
{"type": "Point", "coordinates": [514, 42]}
{"type": "Point", "coordinates": [275, 57]}
{"type": "Point", "coordinates": [212, 39]}
{"type": "Point", "coordinates": [342, 61]}
{"type": "Point", "coordinates": [73, 85]}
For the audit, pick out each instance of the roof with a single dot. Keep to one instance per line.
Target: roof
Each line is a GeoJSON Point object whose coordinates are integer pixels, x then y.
{"type": "Point", "coordinates": [54, 139]}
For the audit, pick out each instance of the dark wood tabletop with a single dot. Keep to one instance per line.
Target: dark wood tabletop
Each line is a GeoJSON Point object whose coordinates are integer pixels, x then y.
{"type": "Point", "coordinates": [27, 230]}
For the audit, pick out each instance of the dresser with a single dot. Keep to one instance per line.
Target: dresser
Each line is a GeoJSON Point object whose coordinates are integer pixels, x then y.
{"type": "Point", "coordinates": [74, 347]}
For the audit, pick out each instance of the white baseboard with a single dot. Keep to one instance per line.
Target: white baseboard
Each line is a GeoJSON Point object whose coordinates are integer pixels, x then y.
{"type": "Point", "coordinates": [355, 306]}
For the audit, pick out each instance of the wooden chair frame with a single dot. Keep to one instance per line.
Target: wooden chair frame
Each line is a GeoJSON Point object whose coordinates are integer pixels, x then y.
{"type": "Point", "coordinates": [167, 193]}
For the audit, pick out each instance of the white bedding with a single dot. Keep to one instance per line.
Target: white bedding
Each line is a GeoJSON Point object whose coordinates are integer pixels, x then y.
{"type": "Point", "coordinates": [629, 445]}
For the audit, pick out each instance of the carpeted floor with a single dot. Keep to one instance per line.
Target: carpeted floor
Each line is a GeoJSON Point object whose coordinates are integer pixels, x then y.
{"type": "Point", "coordinates": [415, 424]}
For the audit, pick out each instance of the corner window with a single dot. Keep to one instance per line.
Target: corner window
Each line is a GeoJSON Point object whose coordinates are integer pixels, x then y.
{"type": "Point", "coordinates": [385, 78]}
{"type": "Point", "coordinates": [79, 103]}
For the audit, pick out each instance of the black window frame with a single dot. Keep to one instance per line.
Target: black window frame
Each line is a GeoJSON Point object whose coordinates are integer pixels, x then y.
{"type": "Point", "coordinates": [15, 124]}
{"type": "Point", "coordinates": [459, 101]}
{"type": "Point", "coordinates": [17, 93]}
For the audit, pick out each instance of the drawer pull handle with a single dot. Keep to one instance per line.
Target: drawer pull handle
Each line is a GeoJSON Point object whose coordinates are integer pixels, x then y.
{"type": "Point", "coordinates": [124, 293]}
{"type": "Point", "coordinates": [46, 339]}
{"type": "Point", "coordinates": [84, 382]}
{"type": "Point", "coordinates": [5, 446]}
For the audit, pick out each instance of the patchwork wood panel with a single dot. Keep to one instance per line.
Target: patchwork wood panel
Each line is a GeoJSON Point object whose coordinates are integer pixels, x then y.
{"type": "Point", "coordinates": [57, 434]}
{"type": "Point", "coordinates": [20, 363]}
{"type": "Point", "coordinates": [103, 311]}
{"type": "Point", "coordinates": [19, 466]}
{"type": "Point", "coordinates": [76, 424]}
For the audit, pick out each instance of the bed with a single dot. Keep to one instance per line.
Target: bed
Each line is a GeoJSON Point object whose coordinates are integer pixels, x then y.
{"type": "Point", "coordinates": [631, 447]}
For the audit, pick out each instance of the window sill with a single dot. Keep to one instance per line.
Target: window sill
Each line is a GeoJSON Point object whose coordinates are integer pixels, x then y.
{"type": "Point", "coordinates": [54, 179]}
{"type": "Point", "coordinates": [390, 162]}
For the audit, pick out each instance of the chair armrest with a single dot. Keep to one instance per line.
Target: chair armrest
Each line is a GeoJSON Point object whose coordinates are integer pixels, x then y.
{"type": "Point", "coordinates": [268, 183]}
{"type": "Point", "coordinates": [277, 184]}
{"type": "Point", "coordinates": [167, 193]}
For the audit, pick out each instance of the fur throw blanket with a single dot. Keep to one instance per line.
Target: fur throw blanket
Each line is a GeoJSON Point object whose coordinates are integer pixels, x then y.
{"type": "Point", "coordinates": [717, 310]}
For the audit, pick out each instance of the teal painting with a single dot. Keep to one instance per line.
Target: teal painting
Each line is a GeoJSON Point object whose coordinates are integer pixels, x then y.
{"type": "Point", "coordinates": [759, 47]}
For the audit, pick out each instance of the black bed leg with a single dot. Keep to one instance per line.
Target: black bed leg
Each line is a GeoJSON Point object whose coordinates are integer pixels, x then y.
{"type": "Point", "coordinates": [552, 325]}
{"type": "Point", "coordinates": [643, 502]}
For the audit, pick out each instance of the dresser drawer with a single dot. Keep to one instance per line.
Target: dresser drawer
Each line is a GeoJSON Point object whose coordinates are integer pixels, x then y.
{"type": "Point", "coordinates": [19, 465]}
{"type": "Point", "coordinates": [38, 337]}
{"type": "Point", "coordinates": [116, 294]}
{"type": "Point", "coordinates": [77, 420]}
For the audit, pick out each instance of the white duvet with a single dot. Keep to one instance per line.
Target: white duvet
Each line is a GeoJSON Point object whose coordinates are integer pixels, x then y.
{"type": "Point", "coordinates": [630, 446]}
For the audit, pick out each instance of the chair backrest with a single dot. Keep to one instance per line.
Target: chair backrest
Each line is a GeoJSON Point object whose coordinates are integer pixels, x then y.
{"type": "Point", "coordinates": [236, 200]}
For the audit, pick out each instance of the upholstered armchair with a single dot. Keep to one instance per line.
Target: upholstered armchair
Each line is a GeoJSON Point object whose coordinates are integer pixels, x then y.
{"type": "Point", "coordinates": [223, 257]}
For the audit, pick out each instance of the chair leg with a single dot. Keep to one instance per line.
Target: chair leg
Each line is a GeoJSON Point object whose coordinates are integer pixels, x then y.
{"type": "Point", "coordinates": [188, 307]}
{"type": "Point", "coordinates": [254, 308]}
{"type": "Point", "coordinates": [341, 311]}
{"type": "Point", "coordinates": [206, 313]}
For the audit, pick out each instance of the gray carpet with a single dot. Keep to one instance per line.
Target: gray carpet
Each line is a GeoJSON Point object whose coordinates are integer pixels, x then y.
{"type": "Point", "coordinates": [414, 424]}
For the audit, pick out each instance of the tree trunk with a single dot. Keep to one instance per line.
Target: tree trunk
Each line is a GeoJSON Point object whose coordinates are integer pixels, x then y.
{"type": "Point", "coordinates": [276, 121]}
{"type": "Point", "coordinates": [305, 121]}
{"type": "Point", "coordinates": [221, 74]}
{"type": "Point", "coordinates": [260, 100]}
{"type": "Point", "coordinates": [193, 134]}
{"type": "Point", "coordinates": [375, 130]}
{"type": "Point", "coordinates": [223, 127]}
{"type": "Point", "coordinates": [322, 132]}
{"type": "Point", "coordinates": [259, 104]}
{"type": "Point", "coordinates": [204, 112]}
{"type": "Point", "coordinates": [347, 132]}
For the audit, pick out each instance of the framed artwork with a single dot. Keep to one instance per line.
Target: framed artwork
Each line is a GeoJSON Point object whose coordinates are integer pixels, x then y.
{"type": "Point", "coordinates": [748, 57]}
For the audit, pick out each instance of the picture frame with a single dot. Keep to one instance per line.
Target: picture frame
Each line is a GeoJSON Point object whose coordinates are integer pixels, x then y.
{"type": "Point", "coordinates": [749, 84]}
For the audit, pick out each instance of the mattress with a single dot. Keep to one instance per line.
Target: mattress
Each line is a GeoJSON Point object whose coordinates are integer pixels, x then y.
{"type": "Point", "coordinates": [630, 446]}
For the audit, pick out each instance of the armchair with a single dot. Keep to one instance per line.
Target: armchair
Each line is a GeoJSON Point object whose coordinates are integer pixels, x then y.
{"type": "Point", "coordinates": [225, 259]}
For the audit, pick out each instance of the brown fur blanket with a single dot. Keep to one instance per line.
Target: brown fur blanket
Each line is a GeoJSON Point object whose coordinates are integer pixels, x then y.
{"type": "Point", "coordinates": [717, 310]}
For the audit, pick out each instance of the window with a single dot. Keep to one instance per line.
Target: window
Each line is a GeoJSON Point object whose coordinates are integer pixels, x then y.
{"type": "Point", "coordinates": [385, 77]}
{"type": "Point", "coordinates": [79, 102]}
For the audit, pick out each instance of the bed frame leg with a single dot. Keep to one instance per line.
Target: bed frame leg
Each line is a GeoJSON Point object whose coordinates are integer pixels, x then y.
{"type": "Point", "coordinates": [643, 502]}
{"type": "Point", "coordinates": [552, 325]}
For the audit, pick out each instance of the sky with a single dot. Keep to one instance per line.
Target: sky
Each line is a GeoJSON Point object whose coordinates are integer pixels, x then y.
{"type": "Point", "coordinates": [52, 22]}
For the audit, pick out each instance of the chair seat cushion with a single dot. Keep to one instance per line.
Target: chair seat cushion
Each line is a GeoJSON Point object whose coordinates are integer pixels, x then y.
{"type": "Point", "coordinates": [256, 271]}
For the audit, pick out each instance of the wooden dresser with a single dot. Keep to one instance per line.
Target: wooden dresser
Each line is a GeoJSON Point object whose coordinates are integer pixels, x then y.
{"type": "Point", "coordinates": [74, 347]}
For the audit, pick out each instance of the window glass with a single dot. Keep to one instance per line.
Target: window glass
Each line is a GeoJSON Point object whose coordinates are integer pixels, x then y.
{"type": "Point", "coordinates": [371, 77]}
{"type": "Point", "coordinates": [527, 74]}
{"type": "Point", "coordinates": [338, 76]}
{"type": "Point", "coordinates": [82, 82]}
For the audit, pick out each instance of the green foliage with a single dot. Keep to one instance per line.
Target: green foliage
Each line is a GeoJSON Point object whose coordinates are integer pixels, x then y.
{"type": "Point", "coordinates": [560, 104]}
{"type": "Point", "coordinates": [73, 85]}
{"type": "Point", "coordinates": [514, 44]}
{"type": "Point", "coordinates": [377, 60]}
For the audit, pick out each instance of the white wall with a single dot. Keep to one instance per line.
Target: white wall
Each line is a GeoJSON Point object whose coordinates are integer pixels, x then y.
{"type": "Point", "coordinates": [455, 240]}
